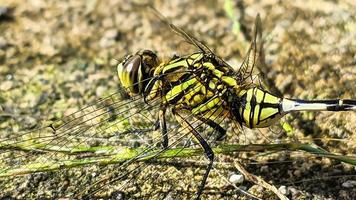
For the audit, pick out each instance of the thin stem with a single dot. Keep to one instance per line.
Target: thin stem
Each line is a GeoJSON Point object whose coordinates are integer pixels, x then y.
{"type": "Point", "coordinates": [121, 155]}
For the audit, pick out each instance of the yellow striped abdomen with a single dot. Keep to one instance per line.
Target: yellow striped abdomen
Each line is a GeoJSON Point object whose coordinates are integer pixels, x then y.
{"type": "Point", "coordinates": [259, 108]}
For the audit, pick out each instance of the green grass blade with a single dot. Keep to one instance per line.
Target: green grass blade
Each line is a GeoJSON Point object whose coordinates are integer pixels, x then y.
{"type": "Point", "coordinates": [115, 156]}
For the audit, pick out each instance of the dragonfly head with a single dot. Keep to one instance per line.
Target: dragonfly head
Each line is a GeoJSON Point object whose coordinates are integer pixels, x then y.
{"type": "Point", "coordinates": [135, 71]}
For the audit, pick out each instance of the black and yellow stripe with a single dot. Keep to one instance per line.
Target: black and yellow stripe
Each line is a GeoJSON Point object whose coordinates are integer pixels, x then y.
{"type": "Point", "coordinates": [259, 108]}
{"type": "Point", "coordinates": [172, 78]}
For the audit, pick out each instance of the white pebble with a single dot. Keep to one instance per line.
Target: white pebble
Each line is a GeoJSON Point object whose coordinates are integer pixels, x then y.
{"type": "Point", "coordinates": [284, 190]}
{"type": "Point", "coordinates": [236, 178]}
{"type": "Point", "coordinates": [349, 184]}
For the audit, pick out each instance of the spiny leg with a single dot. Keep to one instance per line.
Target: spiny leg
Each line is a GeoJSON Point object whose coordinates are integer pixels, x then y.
{"type": "Point", "coordinates": [207, 149]}
{"type": "Point", "coordinates": [221, 131]}
{"type": "Point", "coordinates": [151, 92]}
{"type": "Point", "coordinates": [163, 125]}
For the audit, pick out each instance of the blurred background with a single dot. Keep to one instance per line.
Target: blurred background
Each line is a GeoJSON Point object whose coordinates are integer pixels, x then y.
{"type": "Point", "coordinates": [57, 56]}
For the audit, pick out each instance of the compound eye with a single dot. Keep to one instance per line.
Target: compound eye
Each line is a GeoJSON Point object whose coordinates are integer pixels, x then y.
{"type": "Point", "coordinates": [129, 74]}
{"type": "Point", "coordinates": [132, 65]}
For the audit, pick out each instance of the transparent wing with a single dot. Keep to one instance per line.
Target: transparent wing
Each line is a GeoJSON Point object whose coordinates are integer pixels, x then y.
{"type": "Point", "coordinates": [98, 123]}
{"type": "Point", "coordinates": [190, 39]}
{"type": "Point", "coordinates": [110, 131]}
{"type": "Point", "coordinates": [249, 69]}
{"type": "Point", "coordinates": [180, 142]}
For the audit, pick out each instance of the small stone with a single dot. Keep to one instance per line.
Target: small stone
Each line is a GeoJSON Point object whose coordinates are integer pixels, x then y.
{"type": "Point", "coordinates": [297, 173]}
{"type": "Point", "coordinates": [284, 190]}
{"type": "Point", "coordinates": [6, 85]}
{"type": "Point", "coordinates": [236, 179]}
{"type": "Point", "coordinates": [9, 77]}
{"type": "Point", "coordinates": [29, 121]}
{"type": "Point", "coordinates": [343, 194]}
{"type": "Point", "coordinates": [3, 43]}
{"type": "Point", "coordinates": [118, 195]}
{"type": "Point", "coordinates": [349, 184]}
{"type": "Point", "coordinates": [264, 169]}
{"type": "Point", "coordinates": [100, 90]}
{"type": "Point", "coordinates": [109, 38]}
{"type": "Point", "coordinates": [294, 191]}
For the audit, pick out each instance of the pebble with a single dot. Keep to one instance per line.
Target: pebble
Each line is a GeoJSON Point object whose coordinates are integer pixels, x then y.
{"type": "Point", "coordinates": [297, 173]}
{"type": "Point", "coordinates": [100, 90]}
{"type": "Point", "coordinates": [236, 178]}
{"type": "Point", "coordinates": [284, 190]}
{"type": "Point", "coordinates": [264, 169]}
{"type": "Point", "coordinates": [118, 195]}
{"type": "Point", "coordinates": [3, 43]}
{"type": "Point", "coordinates": [349, 184]}
{"type": "Point", "coordinates": [294, 191]}
{"type": "Point", "coordinates": [6, 85]}
{"type": "Point", "coordinates": [9, 77]}
{"type": "Point", "coordinates": [109, 38]}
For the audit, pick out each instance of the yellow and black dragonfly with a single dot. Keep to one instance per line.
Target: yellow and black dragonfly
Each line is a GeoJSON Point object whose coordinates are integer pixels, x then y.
{"type": "Point", "coordinates": [207, 89]}
{"type": "Point", "coordinates": [176, 104]}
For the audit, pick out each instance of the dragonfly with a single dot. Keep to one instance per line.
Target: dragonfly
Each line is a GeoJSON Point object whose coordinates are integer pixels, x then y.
{"type": "Point", "coordinates": [206, 87]}
{"type": "Point", "coordinates": [180, 102]}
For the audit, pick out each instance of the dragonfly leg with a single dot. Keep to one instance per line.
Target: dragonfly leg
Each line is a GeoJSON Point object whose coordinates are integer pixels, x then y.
{"type": "Point", "coordinates": [163, 125]}
{"type": "Point", "coordinates": [207, 149]}
{"type": "Point", "coordinates": [221, 131]}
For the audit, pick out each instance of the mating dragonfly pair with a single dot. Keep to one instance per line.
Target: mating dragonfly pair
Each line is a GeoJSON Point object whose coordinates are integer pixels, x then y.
{"type": "Point", "coordinates": [176, 103]}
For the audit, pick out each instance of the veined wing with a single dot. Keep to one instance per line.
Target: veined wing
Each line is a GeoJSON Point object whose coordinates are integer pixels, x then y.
{"type": "Point", "coordinates": [253, 58]}
{"type": "Point", "coordinates": [95, 123]}
{"type": "Point", "coordinates": [248, 73]}
{"type": "Point", "coordinates": [112, 126]}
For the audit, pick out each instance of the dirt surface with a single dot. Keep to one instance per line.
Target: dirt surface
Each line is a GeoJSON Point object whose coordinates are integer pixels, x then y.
{"type": "Point", "coordinates": [57, 56]}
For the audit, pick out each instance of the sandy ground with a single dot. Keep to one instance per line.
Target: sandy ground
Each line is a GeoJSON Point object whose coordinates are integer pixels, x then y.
{"type": "Point", "coordinates": [56, 57]}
